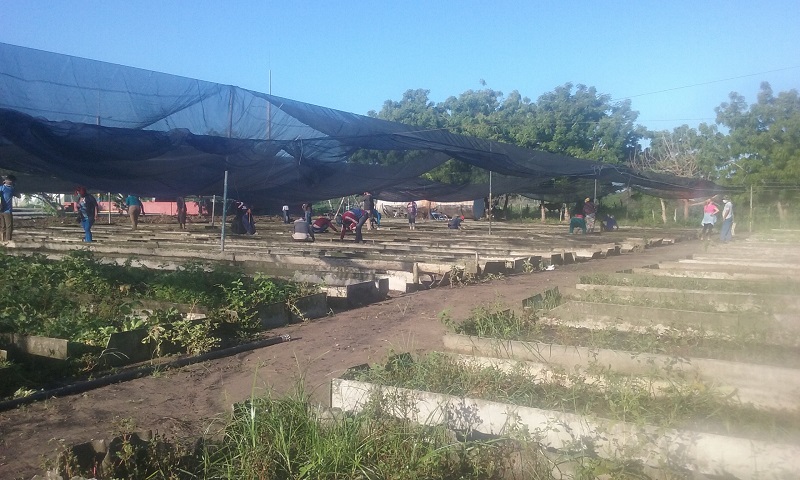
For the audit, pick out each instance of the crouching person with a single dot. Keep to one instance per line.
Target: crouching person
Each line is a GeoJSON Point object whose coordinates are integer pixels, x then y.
{"type": "Point", "coordinates": [579, 222]}
{"type": "Point", "coordinates": [302, 231]}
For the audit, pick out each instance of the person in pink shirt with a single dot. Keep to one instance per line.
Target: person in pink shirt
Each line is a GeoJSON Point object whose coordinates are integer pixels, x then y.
{"type": "Point", "coordinates": [710, 212]}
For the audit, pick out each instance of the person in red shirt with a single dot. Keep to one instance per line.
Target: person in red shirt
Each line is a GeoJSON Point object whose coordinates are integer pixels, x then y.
{"type": "Point", "coordinates": [589, 212]}
{"type": "Point", "coordinates": [321, 225]}
{"type": "Point", "coordinates": [349, 222]}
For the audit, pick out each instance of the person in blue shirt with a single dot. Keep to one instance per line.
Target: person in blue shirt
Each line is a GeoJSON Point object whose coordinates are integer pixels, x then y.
{"type": "Point", "coordinates": [376, 217]}
{"type": "Point", "coordinates": [135, 208]}
{"type": "Point", "coordinates": [87, 212]}
{"type": "Point", "coordinates": [7, 195]}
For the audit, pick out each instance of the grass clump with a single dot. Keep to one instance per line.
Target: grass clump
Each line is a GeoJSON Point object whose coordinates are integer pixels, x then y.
{"type": "Point", "coordinates": [269, 438]}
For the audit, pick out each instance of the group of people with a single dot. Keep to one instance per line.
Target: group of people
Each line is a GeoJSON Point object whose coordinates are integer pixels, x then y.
{"type": "Point", "coordinates": [584, 218]}
{"type": "Point", "coordinates": [352, 220]}
{"type": "Point", "coordinates": [710, 212]}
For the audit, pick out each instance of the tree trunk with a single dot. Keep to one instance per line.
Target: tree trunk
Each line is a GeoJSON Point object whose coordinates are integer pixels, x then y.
{"type": "Point", "coordinates": [541, 207]}
{"type": "Point", "coordinates": [663, 211]}
{"type": "Point", "coordinates": [505, 208]}
{"type": "Point", "coordinates": [781, 212]}
{"type": "Point", "coordinates": [685, 209]}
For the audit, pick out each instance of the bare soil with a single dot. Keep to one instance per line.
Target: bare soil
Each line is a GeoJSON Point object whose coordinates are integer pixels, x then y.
{"type": "Point", "coordinates": [186, 402]}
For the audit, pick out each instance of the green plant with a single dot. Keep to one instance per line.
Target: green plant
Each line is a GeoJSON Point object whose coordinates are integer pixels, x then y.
{"type": "Point", "coordinates": [496, 321]}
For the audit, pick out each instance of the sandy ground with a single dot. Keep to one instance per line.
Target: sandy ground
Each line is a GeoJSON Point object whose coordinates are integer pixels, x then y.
{"type": "Point", "coordinates": [186, 401]}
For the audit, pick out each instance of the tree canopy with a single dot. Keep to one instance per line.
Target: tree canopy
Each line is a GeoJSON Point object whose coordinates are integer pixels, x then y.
{"type": "Point", "coordinates": [756, 144]}
{"type": "Point", "coordinates": [573, 120]}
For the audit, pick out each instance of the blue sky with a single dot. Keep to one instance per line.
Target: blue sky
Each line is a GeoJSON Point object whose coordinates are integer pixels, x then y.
{"type": "Point", "coordinates": [675, 60]}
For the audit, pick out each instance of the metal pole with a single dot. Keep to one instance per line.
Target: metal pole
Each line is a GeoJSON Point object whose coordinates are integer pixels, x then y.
{"type": "Point", "coordinates": [490, 190]}
{"type": "Point", "coordinates": [269, 110]}
{"type": "Point", "coordinates": [109, 208]}
{"type": "Point", "coordinates": [224, 210]}
{"type": "Point", "coordinates": [490, 202]}
{"type": "Point", "coordinates": [213, 208]}
{"type": "Point", "coordinates": [751, 209]}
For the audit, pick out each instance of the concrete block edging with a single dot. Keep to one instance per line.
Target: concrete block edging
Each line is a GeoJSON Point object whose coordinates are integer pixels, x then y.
{"type": "Point", "coordinates": [696, 451]}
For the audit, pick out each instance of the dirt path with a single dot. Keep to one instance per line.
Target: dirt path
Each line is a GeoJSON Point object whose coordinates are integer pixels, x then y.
{"type": "Point", "coordinates": [184, 402]}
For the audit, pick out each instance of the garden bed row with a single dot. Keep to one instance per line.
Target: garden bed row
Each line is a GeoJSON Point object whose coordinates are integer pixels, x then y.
{"type": "Point", "coordinates": [710, 388]}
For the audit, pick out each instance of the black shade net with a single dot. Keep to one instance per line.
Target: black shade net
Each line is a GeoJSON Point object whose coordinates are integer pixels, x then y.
{"type": "Point", "coordinates": [67, 121]}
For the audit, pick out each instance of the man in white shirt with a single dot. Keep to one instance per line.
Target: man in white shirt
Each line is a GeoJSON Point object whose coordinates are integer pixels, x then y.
{"type": "Point", "coordinates": [726, 232]}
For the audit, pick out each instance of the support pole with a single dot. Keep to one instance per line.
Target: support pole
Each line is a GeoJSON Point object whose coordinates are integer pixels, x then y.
{"type": "Point", "coordinates": [269, 110]}
{"type": "Point", "coordinates": [213, 208]}
{"type": "Point", "coordinates": [224, 210]}
{"type": "Point", "coordinates": [339, 209]}
{"type": "Point", "coordinates": [109, 208]}
{"type": "Point", "coordinates": [751, 210]}
{"type": "Point", "coordinates": [490, 202]}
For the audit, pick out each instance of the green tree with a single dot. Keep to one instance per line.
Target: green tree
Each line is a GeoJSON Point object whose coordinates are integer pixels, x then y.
{"type": "Point", "coordinates": [763, 144]}
{"type": "Point", "coordinates": [585, 124]}
{"type": "Point", "coordinates": [764, 139]}
{"type": "Point", "coordinates": [575, 121]}
{"type": "Point", "coordinates": [415, 108]}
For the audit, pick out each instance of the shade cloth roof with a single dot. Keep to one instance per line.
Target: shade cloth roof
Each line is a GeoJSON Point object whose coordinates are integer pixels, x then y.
{"type": "Point", "coordinates": [67, 120]}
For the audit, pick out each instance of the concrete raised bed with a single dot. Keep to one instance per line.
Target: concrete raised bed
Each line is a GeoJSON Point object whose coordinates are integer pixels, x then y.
{"type": "Point", "coordinates": [720, 301]}
{"type": "Point", "coordinates": [599, 316]}
{"type": "Point", "coordinates": [679, 273]}
{"type": "Point", "coordinates": [308, 308]}
{"type": "Point", "coordinates": [761, 385]}
{"type": "Point", "coordinates": [43, 347]}
{"type": "Point", "coordinates": [688, 265]}
{"type": "Point", "coordinates": [695, 451]}
{"type": "Point", "coordinates": [358, 294]}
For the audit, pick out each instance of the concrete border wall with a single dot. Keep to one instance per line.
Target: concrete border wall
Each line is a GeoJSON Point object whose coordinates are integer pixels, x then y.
{"type": "Point", "coordinates": [757, 384]}
{"type": "Point", "coordinates": [696, 451]}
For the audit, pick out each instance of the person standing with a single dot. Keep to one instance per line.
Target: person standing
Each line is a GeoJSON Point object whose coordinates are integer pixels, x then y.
{"type": "Point", "coordinates": [364, 218]}
{"type": "Point", "coordinates": [411, 209]}
{"type": "Point", "coordinates": [135, 208]}
{"type": "Point", "coordinates": [7, 195]}
{"type": "Point", "coordinates": [369, 205]}
{"type": "Point", "coordinates": [589, 213]}
{"type": "Point", "coordinates": [87, 211]}
{"type": "Point", "coordinates": [726, 231]}
{"type": "Point", "coordinates": [308, 212]}
{"type": "Point", "coordinates": [710, 212]}
{"type": "Point", "coordinates": [181, 207]}
{"type": "Point", "coordinates": [285, 210]}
